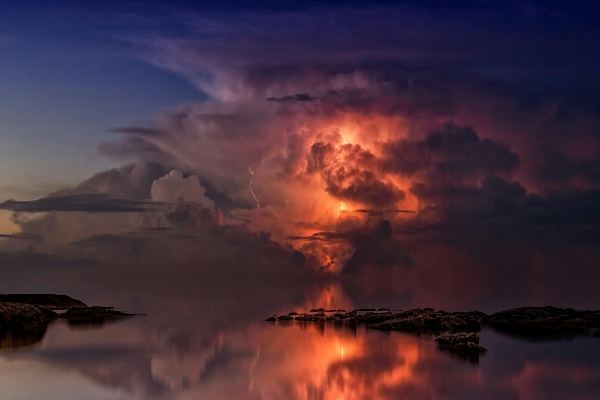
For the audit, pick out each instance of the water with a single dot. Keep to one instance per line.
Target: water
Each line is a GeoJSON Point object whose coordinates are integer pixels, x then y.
{"type": "Point", "coordinates": [204, 337]}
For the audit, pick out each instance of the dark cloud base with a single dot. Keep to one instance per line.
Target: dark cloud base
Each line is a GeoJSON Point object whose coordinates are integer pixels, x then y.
{"type": "Point", "coordinates": [93, 203]}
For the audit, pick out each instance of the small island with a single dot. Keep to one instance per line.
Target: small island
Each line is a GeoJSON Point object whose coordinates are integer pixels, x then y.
{"type": "Point", "coordinates": [24, 318]}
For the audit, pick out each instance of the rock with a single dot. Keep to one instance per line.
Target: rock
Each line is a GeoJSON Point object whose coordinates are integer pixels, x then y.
{"type": "Point", "coordinates": [284, 318]}
{"type": "Point", "coordinates": [95, 312]}
{"type": "Point", "coordinates": [552, 318]}
{"type": "Point", "coordinates": [270, 319]}
{"type": "Point", "coordinates": [558, 320]}
{"type": "Point", "coordinates": [473, 319]}
{"type": "Point", "coordinates": [340, 310]}
{"type": "Point", "coordinates": [460, 340]}
{"type": "Point", "coordinates": [426, 320]}
{"type": "Point", "coordinates": [419, 319]}
{"type": "Point", "coordinates": [462, 346]}
{"type": "Point", "coordinates": [49, 301]}
{"type": "Point", "coordinates": [23, 324]}
{"type": "Point", "coordinates": [314, 317]}
{"type": "Point", "coordinates": [372, 317]}
{"type": "Point", "coordinates": [20, 316]}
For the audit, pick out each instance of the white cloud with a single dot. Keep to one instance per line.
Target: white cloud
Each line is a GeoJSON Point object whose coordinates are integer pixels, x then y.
{"type": "Point", "coordinates": [174, 186]}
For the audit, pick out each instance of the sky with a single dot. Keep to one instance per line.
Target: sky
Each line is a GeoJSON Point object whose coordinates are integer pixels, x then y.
{"type": "Point", "coordinates": [402, 143]}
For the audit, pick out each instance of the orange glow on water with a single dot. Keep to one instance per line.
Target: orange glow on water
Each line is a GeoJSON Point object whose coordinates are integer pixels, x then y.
{"type": "Point", "coordinates": [328, 362]}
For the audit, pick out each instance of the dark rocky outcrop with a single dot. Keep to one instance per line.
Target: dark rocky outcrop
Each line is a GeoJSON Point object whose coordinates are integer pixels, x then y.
{"type": "Point", "coordinates": [372, 317]}
{"type": "Point", "coordinates": [461, 341]}
{"type": "Point", "coordinates": [528, 323]}
{"type": "Point", "coordinates": [423, 322]}
{"type": "Point", "coordinates": [413, 320]}
{"type": "Point", "coordinates": [353, 316]}
{"type": "Point", "coordinates": [21, 316]}
{"type": "Point", "coordinates": [548, 319]}
{"type": "Point", "coordinates": [473, 319]}
{"type": "Point", "coordinates": [24, 319]}
{"type": "Point", "coordinates": [426, 320]}
{"type": "Point", "coordinates": [49, 301]}
{"type": "Point", "coordinates": [95, 313]}
{"type": "Point", "coordinates": [462, 346]}
{"type": "Point", "coordinates": [312, 317]}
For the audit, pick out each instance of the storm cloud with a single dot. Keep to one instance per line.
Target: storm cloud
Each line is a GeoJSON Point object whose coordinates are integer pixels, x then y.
{"type": "Point", "coordinates": [366, 152]}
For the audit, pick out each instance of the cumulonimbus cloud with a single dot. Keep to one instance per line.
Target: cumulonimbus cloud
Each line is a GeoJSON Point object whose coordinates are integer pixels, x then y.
{"type": "Point", "coordinates": [411, 124]}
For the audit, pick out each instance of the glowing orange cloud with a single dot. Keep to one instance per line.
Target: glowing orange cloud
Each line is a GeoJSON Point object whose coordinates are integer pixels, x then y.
{"type": "Point", "coordinates": [322, 192]}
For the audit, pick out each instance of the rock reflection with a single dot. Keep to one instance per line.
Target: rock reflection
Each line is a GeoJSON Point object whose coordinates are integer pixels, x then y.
{"type": "Point", "coordinates": [90, 324]}
{"type": "Point", "coordinates": [536, 334]}
{"type": "Point", "coordinates": [21, 339]}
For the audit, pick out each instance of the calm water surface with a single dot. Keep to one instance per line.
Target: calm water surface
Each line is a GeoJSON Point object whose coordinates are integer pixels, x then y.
{"type": "Point", "coordinates": [207, 339]}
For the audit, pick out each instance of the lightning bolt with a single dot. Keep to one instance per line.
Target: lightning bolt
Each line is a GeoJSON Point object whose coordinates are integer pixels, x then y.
{"type": "Point", "coordinates": [342, 204]}
{"type": "Point", "coordinates": [250, 187]}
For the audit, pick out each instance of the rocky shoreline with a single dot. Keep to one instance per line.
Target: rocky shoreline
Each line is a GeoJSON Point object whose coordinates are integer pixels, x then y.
{"type": "Point", "coordinates": [549, 321]}
{"type": "Point", "coordinates": [462, 346]}
{"type": "Point", "coordinates": [28, 312]}
{"type": "Point", "coordinates": [46, 301]}
{"type": "Point", "coordinates": [429, 320]}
